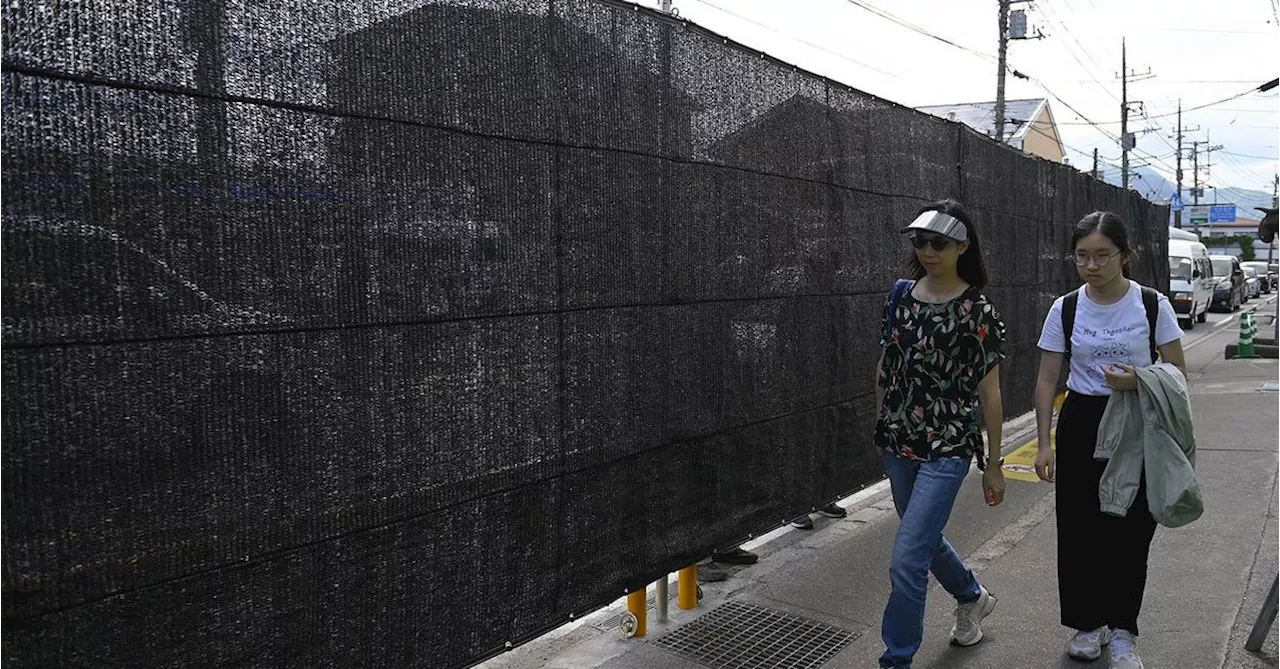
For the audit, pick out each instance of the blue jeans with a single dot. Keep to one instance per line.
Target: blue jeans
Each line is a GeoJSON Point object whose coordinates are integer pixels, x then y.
{"type": "Point", "coordinates": [923, 493]}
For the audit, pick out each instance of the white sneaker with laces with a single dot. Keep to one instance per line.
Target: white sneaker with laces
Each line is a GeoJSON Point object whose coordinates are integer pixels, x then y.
{"type": "Point", "coordinates": [968, 628]}
{"type": "Point", "coordinates": [1088, 645]}
{"type": "Point", "coordinates": [1124, 651]}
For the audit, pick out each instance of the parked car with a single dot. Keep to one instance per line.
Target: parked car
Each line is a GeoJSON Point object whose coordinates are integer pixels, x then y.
{"type": "Point", "coordinates": [1228, 293]}
{"type": "Point", "coordinates": [1265, 279]}
{"type": "Point", "coordinates": [137, 292]}
{"type": "Point", "coordinates": [1252, 284]}
{"type": "Point", "coordinates": [1191, 280]}
{"type": "Point", "coordinates": [1273, 271]}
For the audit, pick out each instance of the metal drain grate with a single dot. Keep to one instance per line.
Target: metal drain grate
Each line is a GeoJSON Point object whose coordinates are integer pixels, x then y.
{"type": "Point", "coordinates": [745, 636]}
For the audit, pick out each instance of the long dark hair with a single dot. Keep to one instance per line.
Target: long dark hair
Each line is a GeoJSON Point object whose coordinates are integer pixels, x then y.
{"type": "Point", "coordinates": [1111, 226]}
{"type": "Point", "coordinates": [970, 266]}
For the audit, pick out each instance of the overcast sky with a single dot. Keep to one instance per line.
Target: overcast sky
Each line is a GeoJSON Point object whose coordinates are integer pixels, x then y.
{"type": "Point", "coordinates": [1198, 51]}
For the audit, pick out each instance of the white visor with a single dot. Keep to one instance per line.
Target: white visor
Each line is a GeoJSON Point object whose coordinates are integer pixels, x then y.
{"type": "Point", "coordinates": [939, 223]}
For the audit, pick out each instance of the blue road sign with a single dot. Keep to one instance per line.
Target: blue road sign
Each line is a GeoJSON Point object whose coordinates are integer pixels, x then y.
{"type": "Point", "coordinates": [1222, 213]}
{"type": "Point", "coordinates": [1175, 202]}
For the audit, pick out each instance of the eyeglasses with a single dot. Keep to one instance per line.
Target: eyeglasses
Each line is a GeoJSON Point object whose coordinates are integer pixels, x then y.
{"type": "Point", "coordinates": [1101, 260]}
{"type": "Point", "coordinates": [938, 243]}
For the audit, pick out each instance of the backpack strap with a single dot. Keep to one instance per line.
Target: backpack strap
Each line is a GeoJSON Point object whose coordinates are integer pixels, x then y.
{"type": "Point", "coordinates": [900, 288]}
{"type": "Point", "coordinates": [1150, 303]}
{"type": "Point", "coordinates": [1069, 304]}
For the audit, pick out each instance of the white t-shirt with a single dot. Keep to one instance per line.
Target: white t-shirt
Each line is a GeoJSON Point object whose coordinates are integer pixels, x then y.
{"type": "Point", "coordinates": [1105, 334]}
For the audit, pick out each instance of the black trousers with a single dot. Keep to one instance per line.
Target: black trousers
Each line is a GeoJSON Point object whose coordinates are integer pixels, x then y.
{"type": "Point", "coordinates": [1102, 559]}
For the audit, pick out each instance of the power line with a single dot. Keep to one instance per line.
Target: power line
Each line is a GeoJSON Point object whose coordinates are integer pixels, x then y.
{"type": "Point", "coordinates": [890, 17]}
{"type": "Point", "coordinates": [986, 56]}
{"type": "Point", "coordinates": [1186, 81]}
{"type": "Point", "coordinates": [1210, 30]}
{"type": "Point", "coordinates": [1159, 131]}
{"type": "Point", "coordinates": [1032, 127]}
{"type": "Point", "coordinates": [797, 39]}
{"type": "Point", "coordinates": [1049, 13]}
{"type": "Point", "coordinates": [1140, 154]}
{"type": "Point", "coordinates": [1252, 111]}
{"type": "Point", "coordinates": [1263, 88]}
{"type": "Point", "coordinates": [1245, 155]}
{"type": "Point", "coordinates": [1251, 175]}
{"type": "Point", "coordinates": [1067, 47]}
{"type": "Point", "coordinates": [915, 28]}
{"type": "Point", "coordinates": [1099, 46]}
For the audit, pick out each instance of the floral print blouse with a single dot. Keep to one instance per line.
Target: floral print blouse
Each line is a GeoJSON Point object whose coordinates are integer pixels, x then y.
{"type": "Point", "coordinates": [933, 361]}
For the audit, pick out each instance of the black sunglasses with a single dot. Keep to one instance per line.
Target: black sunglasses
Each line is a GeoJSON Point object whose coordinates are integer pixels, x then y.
{"type": "Point", "coordinates": [938, 243]}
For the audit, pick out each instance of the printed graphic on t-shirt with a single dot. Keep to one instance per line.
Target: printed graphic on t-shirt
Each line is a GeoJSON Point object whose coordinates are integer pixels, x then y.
{"type": "Point", "coordinates": [1108, 346]}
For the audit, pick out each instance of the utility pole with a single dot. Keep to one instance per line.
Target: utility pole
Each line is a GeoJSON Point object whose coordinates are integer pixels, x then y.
{"type": "Point", "coordinates": [1271, 248]}
{"type": "Point", "coordinates": [1124, 119]}
{"type": "Point", "coordinates": [1001, 58]}
{"type": "Point", "coordinates": [1182, 133]}
{"type": "Point", "coordinates": [1127, 140]}
{"type": "Point", "coordinates": [1095, 162]}
{"type": "Point", "coordinates": [1208, 166]}
{"type": "Point", "coordinates": [1177, 215]}
{"type": "Point", "coordinates": [1195, 181]}
{"type": "Point", "coordinates": [1195, 172]}
{"type": "Point", "coordinates": [1000, 66]}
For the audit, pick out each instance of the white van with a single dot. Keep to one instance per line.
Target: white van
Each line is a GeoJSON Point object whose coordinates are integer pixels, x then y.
{"type": "Point", "coordinates": [1190, 280]}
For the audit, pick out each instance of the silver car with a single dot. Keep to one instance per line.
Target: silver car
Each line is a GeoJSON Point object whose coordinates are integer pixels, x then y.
{"type": "Point", "coordinates": [1264, 276]}
{"type": "Point", "coordinates": [1252, 284]}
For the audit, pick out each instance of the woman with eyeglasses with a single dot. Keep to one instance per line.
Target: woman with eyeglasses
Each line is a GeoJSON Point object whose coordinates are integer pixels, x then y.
{"type": "Point", "coordinates": [942, 343]}
{"type": "Point", "coordinates": [1110, 334]}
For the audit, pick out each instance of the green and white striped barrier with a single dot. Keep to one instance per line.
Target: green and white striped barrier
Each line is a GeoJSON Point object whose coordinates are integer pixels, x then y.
{"type": "Point", "coordinates": [1248, 330]}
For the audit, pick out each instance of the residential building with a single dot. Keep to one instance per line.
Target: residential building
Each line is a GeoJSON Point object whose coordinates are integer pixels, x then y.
{"type": "Point", "coordinates": [1028, 124]}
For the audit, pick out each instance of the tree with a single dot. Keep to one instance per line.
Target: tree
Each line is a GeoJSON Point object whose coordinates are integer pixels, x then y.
{"type": "Point", "coordinates": [1246, 247]}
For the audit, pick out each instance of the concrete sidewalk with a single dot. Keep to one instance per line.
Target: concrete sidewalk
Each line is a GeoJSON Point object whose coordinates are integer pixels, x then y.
{"type": "Point", "coordinates": [1205, 585]}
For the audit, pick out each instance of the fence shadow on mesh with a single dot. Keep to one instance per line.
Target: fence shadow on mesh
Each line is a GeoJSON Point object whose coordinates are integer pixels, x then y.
{"type": "Point", "coordinates": [343, 334]}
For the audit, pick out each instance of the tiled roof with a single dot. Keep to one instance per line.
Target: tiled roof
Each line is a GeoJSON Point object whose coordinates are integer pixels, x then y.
{"type": "Point", "coordinates": [981, 116]}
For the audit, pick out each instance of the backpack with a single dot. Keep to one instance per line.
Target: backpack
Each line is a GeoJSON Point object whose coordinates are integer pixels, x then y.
{"type": "Point", "coordinates": [900, 288]}
{"type": "Point", "coordinates": [1150, 302]}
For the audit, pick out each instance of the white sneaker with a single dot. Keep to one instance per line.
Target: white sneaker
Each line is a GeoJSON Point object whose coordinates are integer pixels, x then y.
{"type": "Point", "coordinates": [1124, 651]}
{"type": "Point", "coordinates": [1088, 645]}
{"type": "Point", "coordinates": [968, 628]}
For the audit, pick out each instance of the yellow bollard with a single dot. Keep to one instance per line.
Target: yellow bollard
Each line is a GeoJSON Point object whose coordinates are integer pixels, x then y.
{"type": "Point", "coordinates": [638, 605]}
{"type": "Point", "coordinates": [687, 588]}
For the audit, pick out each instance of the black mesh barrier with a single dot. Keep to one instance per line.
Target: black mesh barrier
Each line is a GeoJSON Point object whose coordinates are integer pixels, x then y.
{"type": "Point", "coordinates": [354, 334]}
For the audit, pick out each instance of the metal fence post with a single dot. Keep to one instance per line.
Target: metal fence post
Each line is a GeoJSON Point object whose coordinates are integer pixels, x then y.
{"type": "Point", "coordinates": [1275, 324]}
{"type": "Point", "coordinates": [662, 595]}
{"type": "Point", "coordinates": [1265, 617]}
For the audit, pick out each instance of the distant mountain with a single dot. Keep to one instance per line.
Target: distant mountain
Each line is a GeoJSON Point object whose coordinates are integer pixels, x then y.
{"type": "Point", "coordinates": [1153, 186]}
{"type": "Point", "coordinates": [1245, 200]}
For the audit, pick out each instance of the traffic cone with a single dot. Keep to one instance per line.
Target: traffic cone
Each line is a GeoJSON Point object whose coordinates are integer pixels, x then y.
{"type": "Point", "coordinates": [1248, 329]}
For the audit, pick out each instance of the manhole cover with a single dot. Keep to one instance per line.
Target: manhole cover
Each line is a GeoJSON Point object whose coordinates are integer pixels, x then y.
{"type": "Point", "coordinates": [745, 636]}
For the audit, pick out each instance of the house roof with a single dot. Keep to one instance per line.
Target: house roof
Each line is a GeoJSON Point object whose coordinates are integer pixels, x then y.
{"type": "Point", "coordinates": [404, 52]}
{"type": "Point", "coordinates": [981, 116]}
